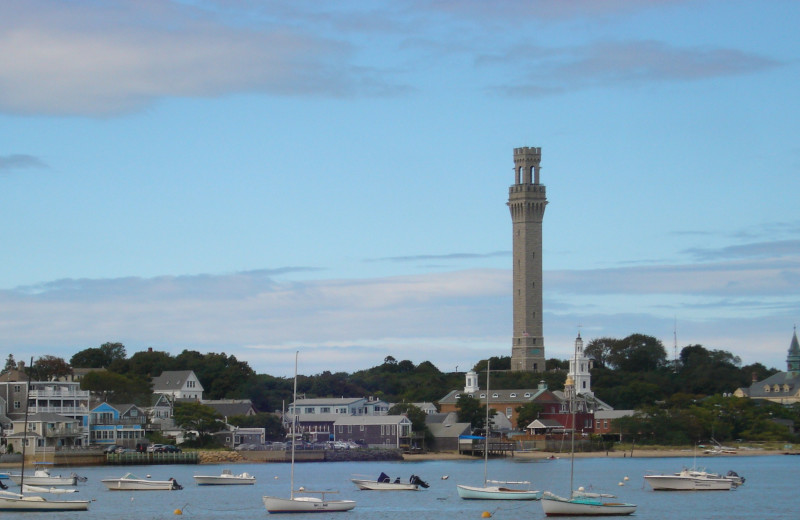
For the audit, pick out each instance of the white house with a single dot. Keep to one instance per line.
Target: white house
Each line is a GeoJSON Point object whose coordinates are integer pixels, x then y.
{"type": "Point", "coordinates": [178, 384]}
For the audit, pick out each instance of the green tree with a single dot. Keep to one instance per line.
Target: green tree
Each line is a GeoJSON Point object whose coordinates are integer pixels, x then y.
{"type": "Point", "coordinates": [470, 409]}
{"type": "Point", "coordinates": [417, 418]}
{"type": "Point", "coordinates": [527, 413]}
{"type": "Point", "coordinates": [10, 364]}
{"type": "Point", "coordinates": [101, 357]}
{"type": "Point", "coordinates": [118, 388]}
{"type": "Point", "coordinates": [637, 353]}
{"type": "Point", "coordinates": [47, 368]}
{"type": "Point", "coordinates": [198, 417]}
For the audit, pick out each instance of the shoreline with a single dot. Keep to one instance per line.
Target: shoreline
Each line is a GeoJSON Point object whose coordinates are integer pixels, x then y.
{"type": "Point", "coordinates": [637, 453]}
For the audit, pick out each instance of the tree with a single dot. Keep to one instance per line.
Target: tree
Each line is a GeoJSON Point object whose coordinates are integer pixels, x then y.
{"type": "Point", "coordinates": [10, 364]}
{"type": "Point", "coordinates": [118, 388]}
{"type": "Point", "coordinates": [47, 368]}
{"type": "Point", "coordinates": [599, 349]}
{"type": "Point", "coordinates": [471, 410]}
{"type": "Point", "coordinates": [417, 418]}
{"type": "Point", "coordinates": [527, 413]}
{"type": "Point", "coordinates": [637, 353]}
{"type": "Point", "coordinates": [198, 417]}
{"type": "Point", "coordinates": [101, 357]}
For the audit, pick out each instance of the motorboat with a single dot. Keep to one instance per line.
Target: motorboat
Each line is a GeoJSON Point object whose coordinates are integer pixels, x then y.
{"type": "Point", "coordinates": [384, 483]}
{"type": "Point", "coordinates": [734, 477]}
{"type": "Point", "coordinates": [583, 505]}
{"type": "Point", "coordinates": [42, 477]}
{"type": "Point", "coordinates": [494, 489]}
{"type": "Point", "coordinates": [226, 478]}
{"type": "Point", "coordinates": [130, 482]}
{"type": "Point", "coordinates": [303, 504]}
{"type": "Point", "coordinates": [13, 502]}
{"type": "Point", "coordinates": [497, 490]}
{"type": "Point", "coordinates": [689, 480]}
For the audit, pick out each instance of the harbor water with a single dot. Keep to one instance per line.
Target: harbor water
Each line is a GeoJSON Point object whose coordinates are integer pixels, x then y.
{"type": "Point", "coordinates": [770, 490]}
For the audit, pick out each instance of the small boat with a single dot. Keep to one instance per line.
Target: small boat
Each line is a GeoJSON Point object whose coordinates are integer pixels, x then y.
{"type": "Point", "coordinates": [295, 504]}
{"type": "Point", "coordinates": [13, 502]}
{"type": "Point", "coordinates": [580, 502]}
{"type": "Point", "coordinates": [498, 491]}
{"type": "Point", "coordinates": [52, 490]}
{"type": "Point", "coordinates": [689, 480]}
{"type": "Point", "coordinates": [227, 478]}
{"type": "Point", "coordinates": [583, 505]}
{"type": "Point", "coordinates": [384, 483]}
{"type": "Point", "coordinates": [42, 477]}
{"type": "Point", "coordinates": [130, 482]}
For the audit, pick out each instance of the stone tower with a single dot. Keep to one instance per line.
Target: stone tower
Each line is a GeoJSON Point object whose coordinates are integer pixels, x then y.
{"type": "Point", "coordinates": [527, 200]}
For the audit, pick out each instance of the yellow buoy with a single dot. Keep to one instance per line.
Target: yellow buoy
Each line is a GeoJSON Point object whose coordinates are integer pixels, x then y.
{"type": "Point", "coordinates": [178, 512]}
{"type": "Point", "coordinates": [486, 514]}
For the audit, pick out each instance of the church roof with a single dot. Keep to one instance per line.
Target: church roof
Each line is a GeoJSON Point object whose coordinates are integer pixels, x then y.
{"type": "Point", "coordinates": [793, 359]}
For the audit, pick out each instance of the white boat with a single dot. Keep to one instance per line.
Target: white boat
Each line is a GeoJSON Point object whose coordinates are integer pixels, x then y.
{"type": "Point", "coordinates": [52, 490]}
{"type": "Point", "coordinates": [295, 504]}
{"type": "Point", "coordinates": [42, 477]}
{"type": "Point", "coordinates": [493, 489]}
{"type": "Point", "coordinates": [130, 482]}
{"type": "Point", "coordinates": [580, 503]}
{"type": "Point", "coordinates": [688, 480]}
{"type": "Point", "coordinates": [26, 503]}
{"type": "Point", "coordinates": [554, 505]}
{"type": "Point", "coordinates": [14, 502]}
{"type": "Point", "coordinates": [226, 478]}
{"type": "Point", "coordinates": [500, 491]}
{"type": "Point", "coordinates": [384, 483]}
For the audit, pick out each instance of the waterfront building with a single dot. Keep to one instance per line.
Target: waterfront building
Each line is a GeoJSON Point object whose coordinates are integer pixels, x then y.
{"type": "Point", "coordinates": [782, 387]}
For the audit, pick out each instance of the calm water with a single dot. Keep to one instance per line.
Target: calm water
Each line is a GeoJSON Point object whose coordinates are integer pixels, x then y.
{"type": "Point", "coordinates": [769, 493]}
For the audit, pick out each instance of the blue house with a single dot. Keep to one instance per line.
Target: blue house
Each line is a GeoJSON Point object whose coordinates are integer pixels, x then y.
{"type": "Point", "coordinates": [122, 424]}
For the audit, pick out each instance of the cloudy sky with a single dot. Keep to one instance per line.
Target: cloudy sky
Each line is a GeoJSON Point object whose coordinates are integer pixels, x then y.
{"type": "Point", "coordinates": [256, 178]}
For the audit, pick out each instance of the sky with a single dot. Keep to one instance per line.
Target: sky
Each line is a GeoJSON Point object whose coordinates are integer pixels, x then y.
{"type": "Point", "coordinates": [257, 178]}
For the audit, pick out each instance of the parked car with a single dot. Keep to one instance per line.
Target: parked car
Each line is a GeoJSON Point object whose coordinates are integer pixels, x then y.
{"type": "Point", "coordinates": [112, 449]}
{"type": "Point", "coordinates": [167, 448]}
{"type": "Point", "coordinates": [155, 448]}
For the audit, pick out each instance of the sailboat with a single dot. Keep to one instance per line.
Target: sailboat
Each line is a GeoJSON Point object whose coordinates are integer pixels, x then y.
{"type": "Point", "coordinates": [20, 502]}
{"type": "Point", "coordinates": [495, 489]}
{"type": "Point", "coordinates": [580, 503]}
{"type": "Point", "coordinates": [295, 504]}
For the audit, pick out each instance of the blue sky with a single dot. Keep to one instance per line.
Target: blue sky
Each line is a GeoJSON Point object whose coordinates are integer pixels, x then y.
{"type": "Point", "coordinates": [256, 178]}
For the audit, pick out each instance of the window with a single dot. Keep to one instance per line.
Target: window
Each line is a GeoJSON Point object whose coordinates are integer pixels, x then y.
{"type": "Point", "coordinates": [325, 409]}
{"type": "Point", "coordinates": [349, 428]}
{"type": "Point", "coordinates": [383, 430]}
{"type": "Point", "coordinates": [17, 388]}
{"type": "Point", "coordinates": [527, 394]}
{"type": "Point", "coordinates": [341, 429]}
{"type": "Point", "coordinates": [483, 396]}
{"type": "Point", "coordinates": [310, 410]}
{"type": "Point", "coordinates": [495, 396]}
{"type": "Point", "coordinates": [361, 427]}
{"type": "Point", "coordinates": [508, 412]}
{"type": "Point", "coordinates": [513, 395]}
{"type": "Point", "coordinates": [17, 405]}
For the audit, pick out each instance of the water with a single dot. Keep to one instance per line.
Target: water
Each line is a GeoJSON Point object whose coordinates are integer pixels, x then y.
{"type": "Point", "coordinates": [769, 492]}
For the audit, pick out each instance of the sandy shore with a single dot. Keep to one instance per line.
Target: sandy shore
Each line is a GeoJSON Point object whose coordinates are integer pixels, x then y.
{"type": "Point", "coordinates": [641, 453]}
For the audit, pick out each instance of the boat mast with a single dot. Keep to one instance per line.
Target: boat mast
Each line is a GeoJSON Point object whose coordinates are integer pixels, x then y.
{"type": "Point", "coordinates": [294, 422]}
{"type": "Point", "coordinates": [486, 430]}
{"type": "Point", "coordinates": [25, 428]}
{"type": "Point", "coordinates": [572, 440]}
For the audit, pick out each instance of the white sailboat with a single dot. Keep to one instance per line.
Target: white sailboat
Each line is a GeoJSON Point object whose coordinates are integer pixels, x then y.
{"type": "Point", "coordinates": [580, 503]}
{"type": "Point", "coordinates": [20, 502]}
{"type": "Point", "coordinates": [303, 504]}
{"type": "Point", "coordinates": [495, 489]}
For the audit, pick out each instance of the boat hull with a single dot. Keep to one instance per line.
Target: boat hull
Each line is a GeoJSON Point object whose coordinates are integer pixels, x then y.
{"type": "Point", "coordinates": [122, 484]}
{"type": "Point", "coordinates": [374, 485]}
{"type": "Point", "coordinates": [37, 503]}
{"type": "Point", "coordinates": [687, 483]}
{"type": "Point", "coordinates": [306, 505]}
{"type": "Point", "coordinates": [50, 480]}
{"type": "Point", "coordinates": [221, 480]}
{"type": "Point", "coordinates": [496, 493]}
{"type": "Point", "coordinates": [557, 506]}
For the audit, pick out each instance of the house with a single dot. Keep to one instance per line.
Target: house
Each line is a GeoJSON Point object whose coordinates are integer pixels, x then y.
{"type": "Point", "coordinates": [46, 432]}
{"type": "Point", "coordinates": [446, 430]}
{"type": "Point", "coordinates": [545, 427]}
{"type": "Point", "coordinates": [235, 436]}
{"type": "Point", "coordinates": [604, 420]}
{"type": "Point", "coordinates": [782, 387]}
{"type": "Point", "coordinates": [178, 384]}
{"type": "Point", "coordinates": [340, 405]}
{"type": "Point", "coordinates": [374, 431]}
{"type": "Point", "coordinates": [122, 424]}
{"type": "Point", "coordinates": [317, 427]}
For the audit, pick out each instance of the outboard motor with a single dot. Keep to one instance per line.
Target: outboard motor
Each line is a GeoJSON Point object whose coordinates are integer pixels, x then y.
{"type": "Point", "coordinates": [418, 481]}
{"type": "Point", "coordinates": [175, 484]}
{"type": "Point", "coordinates": [3, 486]}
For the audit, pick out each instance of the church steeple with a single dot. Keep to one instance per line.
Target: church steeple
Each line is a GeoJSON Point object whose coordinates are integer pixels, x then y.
{"type": "Point", "coordinates": [793, 359]}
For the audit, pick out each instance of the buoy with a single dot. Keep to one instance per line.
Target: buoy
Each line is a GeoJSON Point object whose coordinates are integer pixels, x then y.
{"type": "Point", "coordinates": [276, 477]}
{"type": "Point", "coordinates": [626, 478]}
{"type": "Point", "coordinates": [621, 484]}
{"type": "Point", "coordinates": [581, 489]}
{"type": "Point", "coordinates": [445, 477]}
{"type": "Point", "coordinates": [148, 476]}
{"type": "Point", "coordinates": [301, 488]}
{"type": "Point", "coordinates": [486, 514]}
{"type": "Point", "coordinates": [177, 512]}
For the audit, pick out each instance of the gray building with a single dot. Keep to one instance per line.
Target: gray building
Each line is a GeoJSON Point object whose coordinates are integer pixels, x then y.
{"type": "Point", "coordinates": [526, 201]}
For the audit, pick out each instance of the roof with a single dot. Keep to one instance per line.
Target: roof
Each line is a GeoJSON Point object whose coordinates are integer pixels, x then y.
{"type": "Point", "coordinates": [449, 430]}
{"type": "Point", "coordinates": [48, 417]}
{"type": "Point", "coordinates": [173, 380]}
{"type": "Point", "coordinates": [521, 396]}
{"type": "Point", "coordinates": [612, 414]}
{"type": "Point", "coordinates": [545, 423]}
{"type": "Point", "coordinates": [789, 380]}
{"type": "Point", "coordinates": [231, 407]}
{"type": "Point", "coordinates": [317, 417]}
{"type": "Point", "coordinates": [334, 401]}
{"type": "Point", "coordinates": [371, 419]}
